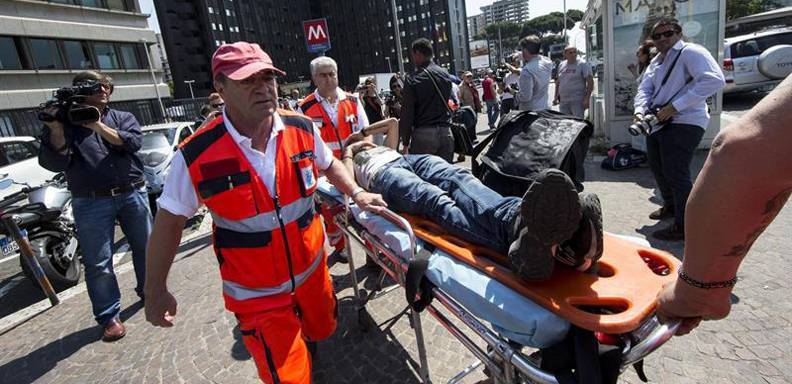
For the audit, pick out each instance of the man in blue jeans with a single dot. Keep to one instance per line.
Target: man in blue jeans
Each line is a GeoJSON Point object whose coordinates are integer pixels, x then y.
{"type": "Point", "coordinates": [106, 182]}
{"type": "Point", "coordinates": [551, 222]}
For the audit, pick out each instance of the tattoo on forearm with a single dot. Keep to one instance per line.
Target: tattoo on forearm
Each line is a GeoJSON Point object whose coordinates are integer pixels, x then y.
{"type": "Point", "coordinates": [772, 207]}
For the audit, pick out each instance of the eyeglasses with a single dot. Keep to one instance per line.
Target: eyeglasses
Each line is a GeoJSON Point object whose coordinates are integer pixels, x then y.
{"type": "Point", "coordinates": [218, 105]}
{"type": "Point", "coordinates": [657, 36]}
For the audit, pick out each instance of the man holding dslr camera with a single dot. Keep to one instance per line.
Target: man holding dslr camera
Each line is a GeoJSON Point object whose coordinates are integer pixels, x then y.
{"type": "Point", "coordinates": [105, 179]}
{"type": "Point", "coordinates": [671, 108]}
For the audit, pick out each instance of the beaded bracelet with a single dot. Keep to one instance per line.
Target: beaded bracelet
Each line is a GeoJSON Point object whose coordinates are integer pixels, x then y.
{"type": "Point", "coordinates": [707, 284]}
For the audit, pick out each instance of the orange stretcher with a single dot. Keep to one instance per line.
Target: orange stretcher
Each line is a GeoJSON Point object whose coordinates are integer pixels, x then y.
{"type": "Point", "coordinates": [614, 301]}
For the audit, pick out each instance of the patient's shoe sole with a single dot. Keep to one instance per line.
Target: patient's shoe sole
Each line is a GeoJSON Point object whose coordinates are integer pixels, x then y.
{"type": "Point", "coordinates": [550, 209]}
{"type": "Point", "coordinates": [586, 242]}
{"type": "Point", "coordinates": [592, 212]}
{"type": "Point", "coordinates": [549, 214]}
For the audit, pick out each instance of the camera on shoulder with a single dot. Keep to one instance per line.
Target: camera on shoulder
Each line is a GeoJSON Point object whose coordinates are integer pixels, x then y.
{"type": "Point", "coordinates": [648, 123]}
{"type": "Point", "coordinates": [69, 104]}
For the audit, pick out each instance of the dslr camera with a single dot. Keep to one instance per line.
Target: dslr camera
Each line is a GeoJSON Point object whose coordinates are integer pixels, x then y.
{"type": "Point", "coordinates": [68, 101]}
{"type": "Point", "coordinates": [648, 123]}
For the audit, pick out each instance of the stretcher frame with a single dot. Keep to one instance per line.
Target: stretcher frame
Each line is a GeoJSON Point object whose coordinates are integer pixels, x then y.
{"type": "Point", "coordinates": [506, 364]}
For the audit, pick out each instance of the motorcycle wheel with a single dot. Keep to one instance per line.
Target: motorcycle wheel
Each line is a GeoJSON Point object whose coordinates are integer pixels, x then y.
{"type": "Point", "coordinates": [61, 274]}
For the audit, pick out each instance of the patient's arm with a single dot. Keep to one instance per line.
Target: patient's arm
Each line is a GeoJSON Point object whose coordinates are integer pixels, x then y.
{"type": "Point", "coordinates": [390, 127]}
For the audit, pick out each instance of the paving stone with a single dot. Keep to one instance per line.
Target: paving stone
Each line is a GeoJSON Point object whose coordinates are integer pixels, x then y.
{"type": "Point", "coordinates": [62, 344]}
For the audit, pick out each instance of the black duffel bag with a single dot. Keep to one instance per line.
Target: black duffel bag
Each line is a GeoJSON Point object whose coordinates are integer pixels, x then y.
{"type": "Point", "coordinates": [527, 142]}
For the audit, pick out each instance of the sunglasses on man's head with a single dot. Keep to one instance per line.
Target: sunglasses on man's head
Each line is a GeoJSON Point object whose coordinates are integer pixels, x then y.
{"type": "Point", "coordinates": [218, 105]}
{"type": "Point", "coordinates": [657, 36]}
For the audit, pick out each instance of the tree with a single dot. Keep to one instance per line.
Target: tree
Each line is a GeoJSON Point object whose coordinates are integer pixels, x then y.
{"type": "Point", "coordinates": [740, 8]}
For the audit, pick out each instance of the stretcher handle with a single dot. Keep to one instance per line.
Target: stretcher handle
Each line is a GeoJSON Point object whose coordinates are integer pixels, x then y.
{"type": "Point", "coordinates": [659, 336]}
{"type": "Point", "coordinates": [394, 218]}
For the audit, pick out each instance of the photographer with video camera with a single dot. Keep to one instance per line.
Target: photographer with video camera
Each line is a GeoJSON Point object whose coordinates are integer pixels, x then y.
{"type": "Point", "coordinates": [671, 109]}
{"type": "Point", "coordinates": [95, 146]}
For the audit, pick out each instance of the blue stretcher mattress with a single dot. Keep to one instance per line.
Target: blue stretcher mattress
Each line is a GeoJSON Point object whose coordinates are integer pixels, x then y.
{"type": "Point", "coordinates": [510, 314]}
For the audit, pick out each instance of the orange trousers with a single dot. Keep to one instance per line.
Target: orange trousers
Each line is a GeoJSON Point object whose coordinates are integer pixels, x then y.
{"type": "Point", "coordinates": [276, 338]}
{"type": "Point", "coordinates": [334, 235]}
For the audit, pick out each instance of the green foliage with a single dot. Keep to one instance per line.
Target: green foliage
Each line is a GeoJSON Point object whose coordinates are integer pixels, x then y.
{"type": "Point", "coordinates": [740, 8]}
{"type": "Point", "coordinates": [552, 23]}
{"type": "Point", "coordinates": [170, 87]}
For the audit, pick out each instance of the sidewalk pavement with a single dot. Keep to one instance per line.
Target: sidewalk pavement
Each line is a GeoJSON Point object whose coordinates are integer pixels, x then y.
{"type": "Point", "coordinates": [62, 344]}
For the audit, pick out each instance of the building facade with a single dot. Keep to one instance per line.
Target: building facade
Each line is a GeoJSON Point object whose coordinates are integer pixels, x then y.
{"type": "Point", "coordinates": [362, 35]}
{"type": "Point", "coordinates": [43, 44]}
{"type": "Point", "coordinates": [506, 10]}
{"type": "Point", "coordinates": [476, 25]}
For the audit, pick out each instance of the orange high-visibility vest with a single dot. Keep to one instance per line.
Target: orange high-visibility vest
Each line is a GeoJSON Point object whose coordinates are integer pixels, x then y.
{"type": "Point", "coordinates": [334, 133]}
{"type": "Point", "coordinates": [266, 245]}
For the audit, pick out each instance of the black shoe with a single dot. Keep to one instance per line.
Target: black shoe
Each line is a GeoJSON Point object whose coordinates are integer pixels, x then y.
{"type": "Point", "coordinates": [664, 212]}
{"type": "Point", "coordinates": [337, 257]}
{"type": "Point", "coordinates": [549, 214]}
{"type": "Point", "coordinates": [670, 233]}
{"type": "Point", "coordinates": [586, 243]}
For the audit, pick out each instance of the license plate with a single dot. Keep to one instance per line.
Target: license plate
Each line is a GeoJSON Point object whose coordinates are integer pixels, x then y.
{"type": "Point", "coordinates": [9, 246]}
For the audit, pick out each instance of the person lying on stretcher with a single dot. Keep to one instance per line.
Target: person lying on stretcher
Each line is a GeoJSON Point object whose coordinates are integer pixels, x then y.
{"type": "Point", "coordinates": [551, 221]}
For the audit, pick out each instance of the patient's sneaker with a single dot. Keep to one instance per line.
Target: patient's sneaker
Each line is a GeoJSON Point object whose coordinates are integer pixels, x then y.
{"type": "Point", "coordinates": [585, 247]}
{"type": "Point", "coordinates": [549, 215]}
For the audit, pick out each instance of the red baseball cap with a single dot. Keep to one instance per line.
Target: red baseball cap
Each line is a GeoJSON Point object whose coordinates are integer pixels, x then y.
{"type": "Point", "coordinates": [240, 60]}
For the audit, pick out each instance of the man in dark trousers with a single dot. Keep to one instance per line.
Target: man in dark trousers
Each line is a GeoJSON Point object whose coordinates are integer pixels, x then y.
{"type": "Point", "coordinates": [105, 179]}
{"type": "Point", "coordinates": [675, 88]}
{"type": "Point", "coordinates": [425, 122]}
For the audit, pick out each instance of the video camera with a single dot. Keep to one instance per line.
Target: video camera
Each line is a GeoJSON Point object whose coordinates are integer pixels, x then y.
{"type": "Point", "coordinates": [68, 101]}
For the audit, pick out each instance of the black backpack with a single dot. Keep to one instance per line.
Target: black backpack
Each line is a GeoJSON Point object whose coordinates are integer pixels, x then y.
{"type": "Point", "coordinates": [527, 142]}
{"type": "Point", "coordinates": [623, 156]}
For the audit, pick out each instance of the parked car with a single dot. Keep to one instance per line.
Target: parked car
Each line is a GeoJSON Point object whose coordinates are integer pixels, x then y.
{"type": "Point", "coordinates": [156, 152]}
{"type": "Point", "coordinates": [19, 161]}
{"type": "Point", "coordinates": [757, 61]}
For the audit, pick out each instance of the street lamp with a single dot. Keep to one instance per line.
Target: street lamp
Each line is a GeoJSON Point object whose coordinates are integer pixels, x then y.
{"type": "Point", "coordinates": [398, 37]}
{"type": "Point", "coordinates": [153, 78]}
{"type": "Point", "coordinates": [189, 84]}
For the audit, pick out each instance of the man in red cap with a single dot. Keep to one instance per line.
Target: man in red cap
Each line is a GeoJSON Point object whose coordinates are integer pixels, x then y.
{"type": "Point", "coordinates": [255, 168]}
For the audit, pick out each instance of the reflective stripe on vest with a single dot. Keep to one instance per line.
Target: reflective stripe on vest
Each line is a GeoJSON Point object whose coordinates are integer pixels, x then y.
{"type": "Point", "coordinates": [333, 133]}
{"type": "Point", "coordinates": [239, 292]}
{"type": "Point", "coordinates": [267, 221]}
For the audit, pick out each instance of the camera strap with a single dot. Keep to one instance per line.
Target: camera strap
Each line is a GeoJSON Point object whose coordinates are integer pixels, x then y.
{"type": "Point", "coordinates": [438, 90]}
{"type": "Point", "coordinates": [668, 73]}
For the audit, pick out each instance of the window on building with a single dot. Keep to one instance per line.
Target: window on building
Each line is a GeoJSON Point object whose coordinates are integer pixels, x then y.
{"type": "Point", "coordinates": [78, 55]}
{"type": "Point", "coordinates": [130, 54]}
{"type": "Point", "coordinates": [123, 5]}
{"type": "Point", "coordinates": [106, 56]}
{"type": "Point", "coordinates": [217, 43]}
{"type": "Point", "coordinates": [214, 26]}
{"type": "Point", "coordinates": [9, 55]}
{"type": "Point", "coordinates": [45, 54]}
{"type": "Point", "coordinates": [220, 26]}
{"type": "Point", "coordinates": [91, 3]}
{"type": "Point", "coordinates": [211, 10]}
{"type": "Point", "coordinates": [228, 12]}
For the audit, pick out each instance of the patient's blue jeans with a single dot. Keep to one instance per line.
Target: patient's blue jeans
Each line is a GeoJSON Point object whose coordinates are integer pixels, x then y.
{"type": "Point", "coordinates": [428, 186]}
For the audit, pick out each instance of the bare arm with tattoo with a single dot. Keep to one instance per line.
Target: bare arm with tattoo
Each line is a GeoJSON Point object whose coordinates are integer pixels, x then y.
{"type": "Point", "coordinates": [732, 202]}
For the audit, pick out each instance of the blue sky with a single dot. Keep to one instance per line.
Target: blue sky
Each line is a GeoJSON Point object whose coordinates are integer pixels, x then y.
{"type": "Point", "coordinates": [537, 8]}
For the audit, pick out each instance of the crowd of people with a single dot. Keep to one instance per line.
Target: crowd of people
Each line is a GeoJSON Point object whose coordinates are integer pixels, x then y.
{"type": "Point", "coordinates": [255, 159]}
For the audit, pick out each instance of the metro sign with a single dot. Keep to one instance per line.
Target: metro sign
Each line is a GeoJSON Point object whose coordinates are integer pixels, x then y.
{"type": "Point", "coordinates": [316, 37]}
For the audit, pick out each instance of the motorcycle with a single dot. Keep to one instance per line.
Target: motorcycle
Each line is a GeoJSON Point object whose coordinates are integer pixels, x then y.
{"type": "Point", "coordinates": [47, 221]}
